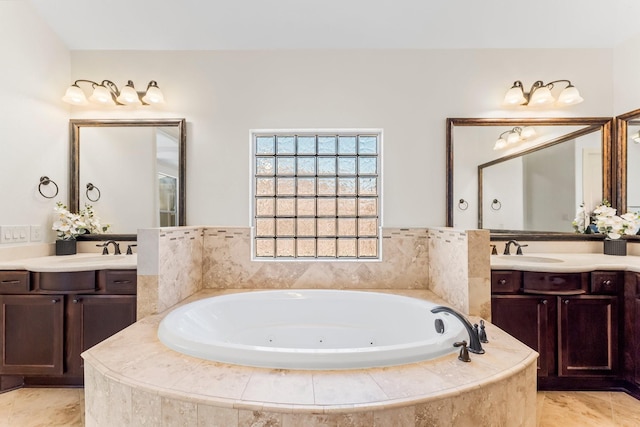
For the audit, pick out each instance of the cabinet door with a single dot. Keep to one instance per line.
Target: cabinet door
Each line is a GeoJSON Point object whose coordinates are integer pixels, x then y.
{"type": "Point", "coordinates": [31, 334]}
{"type": "Point", "coordinates": [588, 335]}
{"type": "Point", "coordinates": [92, 319]}
{"type": "Point", "coordinates": [530, 319]}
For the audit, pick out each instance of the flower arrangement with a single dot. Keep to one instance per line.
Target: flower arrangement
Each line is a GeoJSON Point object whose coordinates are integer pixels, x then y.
{"type": "Point", "coordinates": [605, 220]}
{"type": "Point", "coordinates": [68, 225]}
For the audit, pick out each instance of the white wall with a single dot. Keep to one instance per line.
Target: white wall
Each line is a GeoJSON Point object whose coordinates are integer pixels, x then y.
{"type": "Point", "coordinates": [33, 120]}
{"type": "Point", "coordinates": [408, 93]}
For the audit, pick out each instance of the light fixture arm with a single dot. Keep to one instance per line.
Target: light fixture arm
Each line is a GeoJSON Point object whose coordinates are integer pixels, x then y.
{"type": "Point", "coordinates": [537, 85]}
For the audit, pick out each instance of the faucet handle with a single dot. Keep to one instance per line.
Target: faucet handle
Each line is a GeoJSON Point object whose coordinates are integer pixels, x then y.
{"type": "Point", "coordinates": [129, 251]}
{"type": "Point", "coordinates": [494, 251]}
{"type": "Point", "coordinates": [105, 248]}
{"type": "Point", "coordinates": [519, 251]}
{"type": "Point", "coordinates": [464, 353]}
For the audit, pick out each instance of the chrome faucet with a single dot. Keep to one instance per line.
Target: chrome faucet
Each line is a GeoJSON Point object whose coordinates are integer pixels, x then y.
{"type": "Point", "coordinates": [474, 341]}
{"type": "Point", "coordinates": [116, 247]}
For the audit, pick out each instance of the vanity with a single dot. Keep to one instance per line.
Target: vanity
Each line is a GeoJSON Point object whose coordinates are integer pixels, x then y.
{"type": "Point", "coordinates": [54, 308]}
{"type": "Point", "coordinates": [579, 311]}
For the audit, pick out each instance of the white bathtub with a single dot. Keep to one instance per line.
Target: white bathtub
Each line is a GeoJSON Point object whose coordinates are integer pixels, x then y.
{"type": "Point", "coordinates": [311, 329]}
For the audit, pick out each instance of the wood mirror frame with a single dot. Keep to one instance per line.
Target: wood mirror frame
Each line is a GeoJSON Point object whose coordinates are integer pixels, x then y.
{"type": "Point", "coordinates": [622, 124]}
{"type": "Point", "coordinates": [75, 125]}
{"type": "Point", "coordinates": [606, 127]}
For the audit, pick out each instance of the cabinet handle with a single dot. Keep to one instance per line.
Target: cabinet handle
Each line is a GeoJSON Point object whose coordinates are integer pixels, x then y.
{"type": "Point", "coordinates": [122, 281]}
{"type": "Point", "coordinates": [11, 282]}
{"type": "Point", "coordinates": [55, 300]}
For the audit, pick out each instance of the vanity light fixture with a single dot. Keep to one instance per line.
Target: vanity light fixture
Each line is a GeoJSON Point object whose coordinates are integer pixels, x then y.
{"type": "Point", "coordinates": [513, 136]}
{"type": "Point", "coordinates": [540, 94]}
{"type": "Point", "coordinates": [636, 137]}
{"type": "Point", "coordinates": [107, 93]}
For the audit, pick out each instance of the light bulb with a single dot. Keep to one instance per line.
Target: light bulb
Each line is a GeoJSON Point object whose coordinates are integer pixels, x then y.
{"type": "Point", "coordinates": [570, 96]}
{"type": "Point", "coordinates": [75, 96]}
{"type": "Point", "coordinates": [101, 95]}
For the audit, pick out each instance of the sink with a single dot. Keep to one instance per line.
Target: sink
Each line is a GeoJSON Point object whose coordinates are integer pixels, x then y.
{"type": "Point", "coordinates": [88, 259]}
{"type": "Point", "coordinates": [526, 258]}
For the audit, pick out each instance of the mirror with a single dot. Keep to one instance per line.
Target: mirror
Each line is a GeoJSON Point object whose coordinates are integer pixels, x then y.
{"type": "Point", "coordinates": [514, 189]}
{"type": "Point", "coordinates": [628, 153]}
{"type": "Point", "coordinates": [131, 171]}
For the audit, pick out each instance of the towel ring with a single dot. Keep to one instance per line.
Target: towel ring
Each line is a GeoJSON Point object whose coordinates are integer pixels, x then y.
{"type": "Point", "coordinates": [91, 187]}
{"type": "Point", "coordinates": [496, 205]}
{"type": "Point", "coordinates": [44, 180]}
{"type": "Point", "coordinates": [463, 205]}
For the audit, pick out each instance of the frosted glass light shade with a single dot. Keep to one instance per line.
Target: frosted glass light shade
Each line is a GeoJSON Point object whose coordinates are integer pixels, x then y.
{"type": "Point", "coordinates": [513, 137]}
{"type": "Point", "coordinates": [527, 132]}
{"type": "Point", "coordinates": [154, 94]}
{"type": "Point", "coordinates": [101, 95]}
{"type": "Point", "coordinates": [129, 96]}
{"type": "Point", "coordinates": [515, 96]}
{"type": "Point", "coordinates": [636, 137]}
{"type": "Point", "coordinates": [500, 144]}
{"type": "Point", "coordinates": [570, 96]}
{"type": "Point", "coordinates": [541, 97]}
{"type": "Point", "coordinates": [75, 96]}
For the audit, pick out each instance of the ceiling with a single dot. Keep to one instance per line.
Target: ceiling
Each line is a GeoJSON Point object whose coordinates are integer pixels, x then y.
{"type": "Point", "coordinates": [339, 24]}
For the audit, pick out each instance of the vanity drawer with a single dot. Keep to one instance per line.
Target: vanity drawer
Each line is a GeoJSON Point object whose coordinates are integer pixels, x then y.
{"type": "Point", "coordinates": [506, 281]}
{"type": "Point", "coordinates": [14, 282]}
{"type": "Point", "coordinates": [69, 281]}
{"type": "Point", "coordinates": [605, 282]}
{"type": "Point", "coordinates": [118, 281]}
{"type": "Point", "coordinates": [555, 283]}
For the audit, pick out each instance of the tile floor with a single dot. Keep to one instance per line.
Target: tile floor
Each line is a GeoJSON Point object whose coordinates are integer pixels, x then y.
{"type": "Point", "coordinates": [45, 407]}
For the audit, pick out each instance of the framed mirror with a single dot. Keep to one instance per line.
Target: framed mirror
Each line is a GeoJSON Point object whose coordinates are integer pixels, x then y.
{"type": "Point", "coordinates": [532, 184]}
{"type": "Point", "coordinates": [131, 171]}
{"type": "Point", "coordinates": [628, 153]}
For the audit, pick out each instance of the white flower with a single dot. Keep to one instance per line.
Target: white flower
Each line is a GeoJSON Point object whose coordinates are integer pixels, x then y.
{"type": "Point", "coordinates": [69, 225]}
{"type": "Point", "coordinates": [615, 226]}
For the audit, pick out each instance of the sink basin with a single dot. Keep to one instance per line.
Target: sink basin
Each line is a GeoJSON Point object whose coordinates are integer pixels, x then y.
{"type": "Point", "coordinates": [525, 258]}
{"type": "Point", "coordinates": [88, 259]}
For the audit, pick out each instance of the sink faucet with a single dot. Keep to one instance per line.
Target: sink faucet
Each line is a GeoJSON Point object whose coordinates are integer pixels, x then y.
{"type": "Point", "coordinates": [518, 245]}
{"type": "Point", "coordinates": [116, 247]}
{"type": "Point", "coordinates": [474, 341]}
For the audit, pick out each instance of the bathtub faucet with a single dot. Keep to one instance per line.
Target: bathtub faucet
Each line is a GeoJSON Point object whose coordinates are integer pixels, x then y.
{"type": "Point", "coordinates": [474, 341]}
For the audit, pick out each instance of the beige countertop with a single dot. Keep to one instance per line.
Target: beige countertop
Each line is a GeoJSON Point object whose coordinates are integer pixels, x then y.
{"type": "Point", "coordinates": [565, 262]}
{"type": "Point", "coordinates": [78, 262]}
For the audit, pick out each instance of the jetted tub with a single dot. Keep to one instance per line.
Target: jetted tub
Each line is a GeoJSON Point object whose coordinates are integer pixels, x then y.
{"type": "Point", "coordinates": [311, 329]}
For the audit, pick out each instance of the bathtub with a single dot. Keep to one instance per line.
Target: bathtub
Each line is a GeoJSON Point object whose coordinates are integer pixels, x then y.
{"type": "Point", "coordinates": [311, 329]}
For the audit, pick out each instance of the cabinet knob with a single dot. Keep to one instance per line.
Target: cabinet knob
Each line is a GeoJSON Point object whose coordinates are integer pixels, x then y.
{"type": "Point", "coordinates": [502, 281]}
{"type": "Point", "coordinates": [76, 300]}
{"type": "Point", "coordinates": [566, 301]}
{"type": "Point", "coordinates": [543, 301]}
{"type": "Point", "coordinates": [55, 300]}
{"type": "Point", "coordinates": [606, 283]}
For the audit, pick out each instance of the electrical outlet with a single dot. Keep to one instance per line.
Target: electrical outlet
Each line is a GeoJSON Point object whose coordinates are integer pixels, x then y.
{"type": "Point", "coordinates": [36, 233]}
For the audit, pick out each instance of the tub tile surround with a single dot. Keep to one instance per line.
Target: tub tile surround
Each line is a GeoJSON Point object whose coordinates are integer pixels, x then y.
{"type": "Point", "coordinates": [178, 262]}
{"type": "Point", "coordinates": [156, 383]}
{"type": "Point", "coordinates": [459, 270]}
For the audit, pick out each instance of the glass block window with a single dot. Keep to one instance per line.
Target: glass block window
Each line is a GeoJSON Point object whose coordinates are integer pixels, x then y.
{"type": "Point", "coordinates": [316, 195]}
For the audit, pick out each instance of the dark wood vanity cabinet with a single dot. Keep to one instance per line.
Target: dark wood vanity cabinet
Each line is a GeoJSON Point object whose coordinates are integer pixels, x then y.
{"type": "Point", "coordinates": [573, 320]}
{"type": "Point", "coordinates": [632, 329]}
{"type": "Point", "coordinates": [54, 317]}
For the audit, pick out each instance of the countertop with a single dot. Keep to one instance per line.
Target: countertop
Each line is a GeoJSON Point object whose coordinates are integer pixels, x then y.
{"type": "Point", "coordinates": [565, 262]}
{"type": "Point", "coordinates": [78, 262]}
